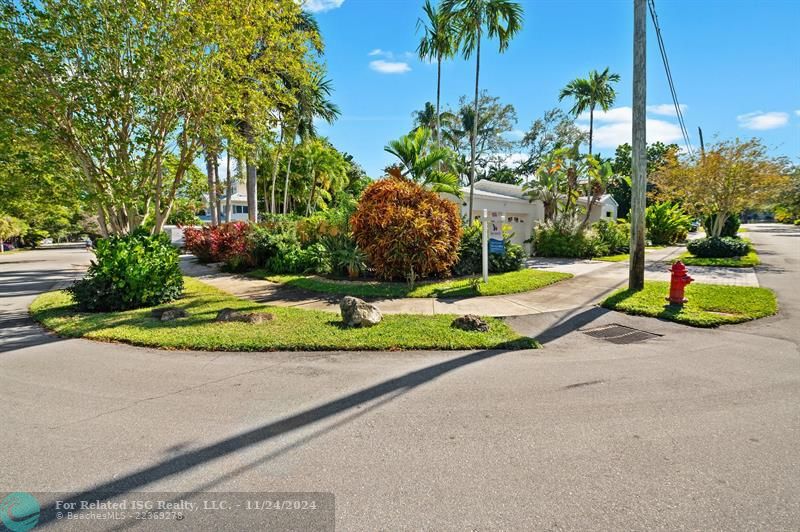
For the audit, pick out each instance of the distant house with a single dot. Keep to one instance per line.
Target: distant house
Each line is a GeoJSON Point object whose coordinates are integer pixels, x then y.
{"type": "Point", "coordinates": [501, 199]}
{"type": "Point", "coordinates": [238, 205]}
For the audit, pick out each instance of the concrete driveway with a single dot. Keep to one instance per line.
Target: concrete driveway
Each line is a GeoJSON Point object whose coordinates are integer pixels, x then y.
{"type": "Point", "coordinates": [693, 429]}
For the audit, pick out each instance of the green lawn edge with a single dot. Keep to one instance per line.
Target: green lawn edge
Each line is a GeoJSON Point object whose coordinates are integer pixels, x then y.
{"type": "Point", "coordinates": [746, 261]}
{"type": "Point", "coordinates": [622, 257]}
{"type": "Point", "coordinates": [291, 329]}
{"type": "Point", "coordinates": [709, 305]}
{"type": "Point", "coordinates": [515, 282]}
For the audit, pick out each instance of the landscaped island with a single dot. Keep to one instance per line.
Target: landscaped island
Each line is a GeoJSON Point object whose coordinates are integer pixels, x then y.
{"type": "Point", "coordinates": [290, 329]}
{"type": "Point", "coordinates": [708, 305]}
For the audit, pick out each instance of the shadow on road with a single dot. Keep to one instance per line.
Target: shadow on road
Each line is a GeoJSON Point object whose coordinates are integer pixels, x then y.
{"type": "Point", "coordinates": [386, 390]}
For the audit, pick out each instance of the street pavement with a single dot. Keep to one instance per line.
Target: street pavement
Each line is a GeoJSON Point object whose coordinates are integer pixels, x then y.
{"type": "Point", "coordinates": [693, 429]}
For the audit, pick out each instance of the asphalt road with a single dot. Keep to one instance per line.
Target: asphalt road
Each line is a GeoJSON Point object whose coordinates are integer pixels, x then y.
{"type": "Point", "coordinates": [695, 429]}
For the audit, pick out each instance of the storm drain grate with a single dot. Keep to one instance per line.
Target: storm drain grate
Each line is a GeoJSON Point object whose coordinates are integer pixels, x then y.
{"type": "Point", "coordinates": [619, 334]}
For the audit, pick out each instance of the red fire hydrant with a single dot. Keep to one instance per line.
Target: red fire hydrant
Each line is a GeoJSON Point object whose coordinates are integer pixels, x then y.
{"type": "Point", "coordinates": [680, 278]}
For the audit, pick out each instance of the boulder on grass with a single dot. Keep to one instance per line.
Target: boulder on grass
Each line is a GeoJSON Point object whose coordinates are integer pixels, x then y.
{"type": "Point", "coordinates": [229, 314]}
{"type": "Point", "coordinates": [470, 322]}
{"type": "Point", "coordinates": [358, 313]}
{"type": "Point", "coordinates": [168, 313]}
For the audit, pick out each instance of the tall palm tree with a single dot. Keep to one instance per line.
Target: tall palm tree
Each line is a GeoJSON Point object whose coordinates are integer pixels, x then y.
{"type": "Point", "coordinates": [596, 90]}
{"type": "Point", "coordinates": [474, 19]}
{"type": "Point", "coordinates": [438, 42]}
{"type": "Point", "coordinates": [312, 102]}
{"type": "Point", "coordinates": [419, 161]}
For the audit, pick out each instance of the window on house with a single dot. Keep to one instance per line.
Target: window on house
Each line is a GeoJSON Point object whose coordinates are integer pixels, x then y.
{"type": "Point", "coordinates": [240, 209]}
{"type": "Point", "coordinates": [608, 214]}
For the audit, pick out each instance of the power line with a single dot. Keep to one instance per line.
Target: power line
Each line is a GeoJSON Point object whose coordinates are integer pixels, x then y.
{"type": "Point", "coordinates": [684, 132]}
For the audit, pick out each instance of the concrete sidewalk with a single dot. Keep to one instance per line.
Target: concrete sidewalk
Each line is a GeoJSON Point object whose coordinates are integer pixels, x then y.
{"type": "Point", "coordinates": [593, 281]}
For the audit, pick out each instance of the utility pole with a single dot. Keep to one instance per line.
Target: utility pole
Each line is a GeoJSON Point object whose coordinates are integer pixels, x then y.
{"type": "Point", "coordinates": [638, 146]}
{"type": "Point", "coordinates": [702, 145]}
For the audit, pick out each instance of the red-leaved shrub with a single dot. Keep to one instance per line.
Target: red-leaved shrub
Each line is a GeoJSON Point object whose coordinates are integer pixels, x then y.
{"type": "Point", "coordinates": [228, 243]}
{"type": "Point", "coordinates": [406, 231]}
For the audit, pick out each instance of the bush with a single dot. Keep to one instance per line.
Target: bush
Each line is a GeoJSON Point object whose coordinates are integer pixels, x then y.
{"type": "Point", "coordinates": [718, 247]}
{"type": "Point", "coordinates": [614, 235]}
{"type": "Point", "coordinates": [406, 231]}
{"type": "Point", "coordinates": [571, 242]}
{"type": "Point", "coordinates": [228, 243]}
{"type": "Point", "coordinates": [470, 254]}
{"type": "Point", "coordinates": [137, 270]}
{"type": "Point", "coordinates": [666, 224]}
{"type": "Point", "coordinates": [345, 256]}
{"type": "Point", "coordinates": [731, 227]}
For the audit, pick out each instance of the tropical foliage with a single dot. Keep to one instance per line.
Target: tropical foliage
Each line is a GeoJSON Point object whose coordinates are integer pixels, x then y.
{"type": "Point", "coordinates": [405, 231]}
{"type": "Point", "coordinates": [589, 93]}
{"type": "Point", "coordinates": [421, 161]}
{"type": "Point", "coordinates": [666, 223]}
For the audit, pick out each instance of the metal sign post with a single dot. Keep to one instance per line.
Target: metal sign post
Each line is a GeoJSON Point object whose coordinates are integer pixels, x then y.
{"type": "Point", "coordinates": [485, 246]}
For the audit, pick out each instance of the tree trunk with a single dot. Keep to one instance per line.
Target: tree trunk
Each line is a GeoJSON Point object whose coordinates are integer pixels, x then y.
{"type": "Point", "coordinates": [438, 100]}
{"type": "Point", "coordinates": [591, 127]}
{"type": "Point", "coordinates": [228, 188]}
{"type": "Point", "coordinates": [217, 189]}
{"type": "Point", "coordinates": [286, 181]}
{"type": "Point", "coordinates": [212, 189]}
{"type": "Point", "coordinates": [474, 136]}
{"type": "Point", "coordinates": [252, 191]}
{"type": "Point", "coordinates": [313, 191]}
{"type": "Point", "coordinates": [272, 208]}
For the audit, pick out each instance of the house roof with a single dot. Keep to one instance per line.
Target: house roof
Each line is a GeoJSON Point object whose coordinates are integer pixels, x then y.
{"type": "Point", "coordinates": [506, 192]}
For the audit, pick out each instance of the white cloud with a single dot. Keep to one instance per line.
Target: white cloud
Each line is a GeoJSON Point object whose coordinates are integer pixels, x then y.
{"type": "Point", "coordinates": [389, 67]}
{"type": "Point", "coordinates": [318, 6]}
{"type": "Point", "coordinates": [797, 112]}
{"type": "Point", "coordinates": [377, 51]}
{"type": "Point", "coordinates": [516, 134]}
{"type": "Point", "coordinates": [760, 120]}
{"type": "Point", "coordinates": [613, 127]}
{"type": "Point", "coordinates": [666, 109]}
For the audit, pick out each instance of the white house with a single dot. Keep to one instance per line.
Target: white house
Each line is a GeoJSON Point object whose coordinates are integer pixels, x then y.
{"type": "Point", "coordinates": [501, 199]}
{"type": "Point", "coordinates": [238, 205]}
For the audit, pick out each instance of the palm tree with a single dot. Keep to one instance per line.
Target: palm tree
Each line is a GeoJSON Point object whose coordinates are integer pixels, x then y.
{"type": "Point", "coordinates": [589, 93]}
{"type": "Point", "coordinates": [438, 42]}
{"type": "Point", "coordinates": [312, 102]}
{"type": "Point", "coordinates": [474, 18]}
{"type": "Point", "coordinates": [419, 161]}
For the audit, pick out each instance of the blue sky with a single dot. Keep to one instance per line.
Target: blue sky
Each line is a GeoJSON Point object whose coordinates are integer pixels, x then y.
{"type": "Point", "coordinates": [736, 66]}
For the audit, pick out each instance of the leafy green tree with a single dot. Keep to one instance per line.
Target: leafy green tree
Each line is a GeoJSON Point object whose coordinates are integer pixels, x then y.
{"type": "Point", "coordinates": [588, 93]}
{"type": "Point", "coordinates": [117, 86]}
{"type": "Point", "coordinates": [313, 101]}
{"type": "Point", "coordinates": [495, 121]}
{"type": "Point", "coordinates": [438, 42]}
{"type": "Point", "coordinates": [657, 155]}
{"type": "Point", "coordinates": [474, 20]}
{"type": "Point", "coordinates": [552, 131]}
{"type": "Point", "coordinates": [420, 160]}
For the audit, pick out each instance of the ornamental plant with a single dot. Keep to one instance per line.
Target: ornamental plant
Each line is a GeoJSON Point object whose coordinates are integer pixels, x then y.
{"type": "Point", "coordinates": [132, 271]}
{"type": "Point", "coordinates": [406, 231]}
{"type": "Point", "coordinates": [228, 243]}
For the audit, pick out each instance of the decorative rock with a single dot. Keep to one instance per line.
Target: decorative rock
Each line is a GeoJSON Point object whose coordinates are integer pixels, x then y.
{"type": "Point", "coordinates": [470, 322]}
{"type": "Point", "coordinates": [358, 313]}
{"type": "Point", "coordinates": [168, 313]}
{"type": "Point", "coordinates": [228, 314]}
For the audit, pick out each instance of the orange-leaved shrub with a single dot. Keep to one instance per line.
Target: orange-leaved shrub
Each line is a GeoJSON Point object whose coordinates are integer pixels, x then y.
{"type": "Point", "coordinates": [406, 231]}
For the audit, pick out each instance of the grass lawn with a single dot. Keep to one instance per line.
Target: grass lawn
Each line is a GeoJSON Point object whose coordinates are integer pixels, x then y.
{"type": "Point", "coordinates": [746, 261]}
{"type": "Point", "coordinates": [709, 305]}
{"type": "Point", "coordinates": [499, 284]}
{"type": "Point", "coordinates": [291, 330]}
{"type": "Point", "coordinates": [622, 257]}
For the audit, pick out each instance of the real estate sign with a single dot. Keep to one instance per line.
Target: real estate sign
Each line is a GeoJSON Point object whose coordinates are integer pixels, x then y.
{"type": "Point", "coordinates": [496, 244]}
